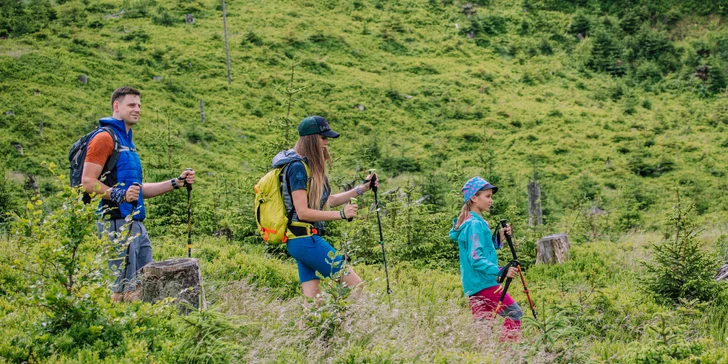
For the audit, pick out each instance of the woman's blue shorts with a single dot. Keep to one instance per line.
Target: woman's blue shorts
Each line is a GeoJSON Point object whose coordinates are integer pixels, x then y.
{"type": "Point", "coordinates": [312, 255]}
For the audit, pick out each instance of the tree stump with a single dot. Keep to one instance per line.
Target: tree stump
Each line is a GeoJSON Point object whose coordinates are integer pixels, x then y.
{"type": "Point", "coordinates": [553, 249]}
{"type": "Point", "coordinates": [722, 273]}
{"type": "Point", "coordinates": [176, 278]}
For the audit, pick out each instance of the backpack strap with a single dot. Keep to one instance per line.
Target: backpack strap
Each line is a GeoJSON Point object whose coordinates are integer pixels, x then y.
{"type": "Point", "coordinates": [290, 193]}
{"type": "Point", "coordinates": [114, 157]}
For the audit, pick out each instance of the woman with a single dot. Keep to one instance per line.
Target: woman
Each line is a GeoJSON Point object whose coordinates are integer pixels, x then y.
{"type": "Point", "coordinates": [306, 190]}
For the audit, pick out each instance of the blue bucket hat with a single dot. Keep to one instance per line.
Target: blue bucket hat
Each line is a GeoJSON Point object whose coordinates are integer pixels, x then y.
{"type": "Point", "coordinates": [316, 125]}
{"type": "Point", "coordinates": [474, 185]}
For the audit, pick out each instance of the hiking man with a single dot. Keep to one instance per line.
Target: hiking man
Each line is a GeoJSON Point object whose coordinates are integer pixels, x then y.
{"type": "Point", "coordinates": [122, 190]}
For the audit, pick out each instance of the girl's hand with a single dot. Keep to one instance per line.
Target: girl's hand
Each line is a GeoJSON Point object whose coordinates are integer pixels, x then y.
{"type": "Point", "coordinates": [504, 231]}
{"type": "Point", "coordinates": [512, 272]}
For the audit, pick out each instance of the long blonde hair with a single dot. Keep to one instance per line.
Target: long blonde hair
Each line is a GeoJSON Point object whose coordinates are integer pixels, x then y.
{"type": "Point", "coordinates": [318, 157]}
{"type": "Point", "coordinates": [464, 214]}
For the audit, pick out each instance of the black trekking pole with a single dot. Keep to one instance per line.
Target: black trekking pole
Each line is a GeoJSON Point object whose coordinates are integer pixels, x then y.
{"type": "Point", "coordinates": [128, 246]}
{"type": "Point", "coordinates": [189, 215]}
{"type": "Point", "coordinates": [517, 265]}
{"type": "Point", "coordinates": [372, 185]}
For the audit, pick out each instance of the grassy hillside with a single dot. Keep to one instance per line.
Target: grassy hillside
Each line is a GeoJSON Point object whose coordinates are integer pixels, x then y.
{"type": "Point", "coordinates": [613, 105]}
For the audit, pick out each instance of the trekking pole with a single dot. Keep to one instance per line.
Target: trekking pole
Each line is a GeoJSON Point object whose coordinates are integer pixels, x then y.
{"type": "Point", "coordinates": [352, 201]}
{"type": "Point", "coordinates": [189, 215]}
{"type": "Point", "coordinates": [128, 246]}
{"type": "Point", "coordinates": [372, 185]}
{"type": "Point", "coordinates": [517, 265]}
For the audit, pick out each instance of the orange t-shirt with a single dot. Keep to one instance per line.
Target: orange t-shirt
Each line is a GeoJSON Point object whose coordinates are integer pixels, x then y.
{"type": "Point", "coordinates": [100, 149]}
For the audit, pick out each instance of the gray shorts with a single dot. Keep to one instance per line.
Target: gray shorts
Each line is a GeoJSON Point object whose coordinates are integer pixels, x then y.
{"type": "Point", "coordinates": [138, 246]}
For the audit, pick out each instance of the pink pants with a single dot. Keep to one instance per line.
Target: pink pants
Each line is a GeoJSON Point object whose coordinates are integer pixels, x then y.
{"type": "Point", "coordinates": [485, 302]}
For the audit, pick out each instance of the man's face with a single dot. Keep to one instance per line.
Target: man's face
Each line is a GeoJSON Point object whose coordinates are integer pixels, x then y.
{"type": "Point", "coordinates": [128, 108]}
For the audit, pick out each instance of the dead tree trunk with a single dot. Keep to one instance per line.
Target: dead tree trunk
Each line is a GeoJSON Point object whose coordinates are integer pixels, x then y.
{"type": "Point", "coordinates": [202, 111]}
{"type": "Point", "coordinates": [176, 278]}
{"type": "Point", "coordinates": [553, 249]}
{"type": "Point", "coordinates": [722, 273]}
{"type": "Point", "coordinates": [227, 49]}
{"type": "Point", "coordinates": [535, 213]}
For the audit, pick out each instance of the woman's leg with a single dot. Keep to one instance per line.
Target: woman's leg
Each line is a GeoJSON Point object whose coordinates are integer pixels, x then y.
{"type": "Point", "coordinates": [310, 288]}
{"type": "Point", "coordinates": [312, 255]}
{"type": "Point", "coordinates": [352, 280]}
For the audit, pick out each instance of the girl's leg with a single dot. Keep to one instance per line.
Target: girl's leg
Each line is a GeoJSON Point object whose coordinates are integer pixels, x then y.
{"type": "Point", "coordinates": [485, 302]}
{"type": "Point", "coordinates": [512, 322]}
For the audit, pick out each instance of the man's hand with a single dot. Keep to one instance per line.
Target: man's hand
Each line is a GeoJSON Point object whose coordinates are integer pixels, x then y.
{"type": "Point", "coordinates": [132, 194]}
{"type": "Point", "coordinates": [188, 176]}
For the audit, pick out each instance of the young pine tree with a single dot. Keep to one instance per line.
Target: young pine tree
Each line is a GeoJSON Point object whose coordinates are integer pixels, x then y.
{"type": "Point", "coordinates": [680, 268]}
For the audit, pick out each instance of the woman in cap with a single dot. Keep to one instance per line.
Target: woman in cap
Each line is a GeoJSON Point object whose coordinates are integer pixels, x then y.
{"type": "Point", "coordinates": [307, 191]}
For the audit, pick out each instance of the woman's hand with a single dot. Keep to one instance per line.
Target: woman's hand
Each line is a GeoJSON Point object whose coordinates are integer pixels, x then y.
{"type": "Point", "coordinates": [367, 182]}
{"type": "Point", "coordinates": [350, 210]}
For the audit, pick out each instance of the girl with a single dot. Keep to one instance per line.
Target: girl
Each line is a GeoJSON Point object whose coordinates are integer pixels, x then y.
{"type": "Point", "coordinates": [478, 259]}
{"type": "Point", "coordinates": [307, 192]}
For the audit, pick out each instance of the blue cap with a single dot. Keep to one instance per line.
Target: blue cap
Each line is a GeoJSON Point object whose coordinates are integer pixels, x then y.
{"type": "Point", "coordinates": [316, 125]}
{"type": "Point", "coordinates": [474, 185]}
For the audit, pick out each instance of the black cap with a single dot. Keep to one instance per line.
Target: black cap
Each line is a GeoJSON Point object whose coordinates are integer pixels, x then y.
{"type": "Point", "coordinates": [316, 125]}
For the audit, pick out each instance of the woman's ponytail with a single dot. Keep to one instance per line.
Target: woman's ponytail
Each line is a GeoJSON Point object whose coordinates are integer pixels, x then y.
{"type": "Point", "coordinates": [464, 214]}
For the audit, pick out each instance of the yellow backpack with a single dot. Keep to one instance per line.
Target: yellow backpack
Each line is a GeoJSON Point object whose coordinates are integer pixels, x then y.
{"type": "Point", "coordinates": [270, 210]}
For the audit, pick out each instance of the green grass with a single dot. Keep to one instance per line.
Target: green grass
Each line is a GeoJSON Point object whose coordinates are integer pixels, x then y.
{"type": "Point", "coordinates": [439, 107]}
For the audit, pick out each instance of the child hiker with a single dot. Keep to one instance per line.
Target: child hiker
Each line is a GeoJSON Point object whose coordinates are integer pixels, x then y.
{"type": "Point", "coordinates": [478, 259]}
{"type": "Point", "coordinates": [306, 190]}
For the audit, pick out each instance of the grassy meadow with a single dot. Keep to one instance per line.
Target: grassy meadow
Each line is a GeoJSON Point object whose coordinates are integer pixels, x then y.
{"type": "Point", "coordinates": [618, 106]}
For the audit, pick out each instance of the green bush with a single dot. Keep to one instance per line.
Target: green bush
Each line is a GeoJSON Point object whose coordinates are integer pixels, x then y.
{"type": "Point", "coordinates": [680, 268]}
{"type": "Point", "coordinates": [607, 54]}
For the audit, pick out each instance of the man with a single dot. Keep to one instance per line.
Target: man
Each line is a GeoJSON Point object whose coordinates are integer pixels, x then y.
{"type": "Point", "coordinates": [122, 190]}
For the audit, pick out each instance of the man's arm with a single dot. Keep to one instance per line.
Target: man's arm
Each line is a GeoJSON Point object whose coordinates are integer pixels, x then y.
{"type": "Point", "coordinates": [91, 183]}
{"type": "Point", "coordinates": [154, 189]}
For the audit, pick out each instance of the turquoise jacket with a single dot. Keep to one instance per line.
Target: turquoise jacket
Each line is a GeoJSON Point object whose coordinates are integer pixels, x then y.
{"type": "Point", "coordinates": [478, 259]}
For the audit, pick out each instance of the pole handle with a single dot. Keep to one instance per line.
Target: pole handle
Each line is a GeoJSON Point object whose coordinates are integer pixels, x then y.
{"type": "Point", "coordinates": [504, 223]}
{"type": "Point", "coordinates": [372, 181]}
{"type": "Point", "coordinates": [352, 201]}
{"type": "Point", "coordinates": [187, 185]}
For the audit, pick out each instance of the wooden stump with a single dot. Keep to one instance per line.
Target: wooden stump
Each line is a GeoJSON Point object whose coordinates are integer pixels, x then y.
{"type": "Point", "coordinates": [722, 273]}
{"type": "Point", "coordinates": [553, 249]}
{"type": "Point", "coordinates": [175, 278]}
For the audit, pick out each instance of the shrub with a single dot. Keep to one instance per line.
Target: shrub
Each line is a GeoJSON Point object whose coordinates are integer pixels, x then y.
{"type": "Point", "coordinates": [606, 54]}
{"type": "Point", "coordinates": [680, 268]}
{"type": "Point", "coordinates": [164, 18]}
{"type": "Point", "coordinates": [717, 81]}
{"type": "Point", "coordinates": [398, 165]}
{"type": "Point", "coordinates": [581, 24]}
